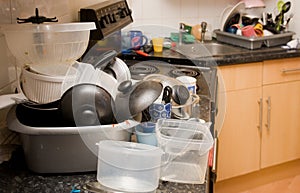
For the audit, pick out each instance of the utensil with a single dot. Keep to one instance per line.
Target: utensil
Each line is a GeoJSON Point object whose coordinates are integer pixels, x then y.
{"type": "Point", "coordinates": [133, 99]}
{"type": "Point", "coordinates": [280, 18]}
{"type": "Point", "coordinates": [167, 95]}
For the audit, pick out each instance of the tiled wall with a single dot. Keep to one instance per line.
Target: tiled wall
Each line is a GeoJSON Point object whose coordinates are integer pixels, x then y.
{"type": "Point", "coordinates": [145, 12]}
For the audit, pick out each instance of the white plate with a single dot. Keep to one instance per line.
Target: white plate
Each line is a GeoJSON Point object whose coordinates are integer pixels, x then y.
{"type": "Point", "coordinates": [238, 8]}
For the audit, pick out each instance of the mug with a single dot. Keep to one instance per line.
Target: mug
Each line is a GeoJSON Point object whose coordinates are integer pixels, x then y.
{"type": "Point", "coordinates": [160, 111]}
{"type": "Point", "coordinates": [249, 31]}
{"type": "Point", "coordinates": [189, 82]}
{"type": "Point", "coordinates": [134, 39]}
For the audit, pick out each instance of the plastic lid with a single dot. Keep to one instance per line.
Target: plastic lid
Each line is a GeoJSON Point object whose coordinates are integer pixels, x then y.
{"type": "Point", "coordinates": [129, 148]}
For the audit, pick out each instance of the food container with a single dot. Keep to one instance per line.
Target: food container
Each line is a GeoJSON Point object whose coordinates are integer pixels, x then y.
{"type": "Point", "coordinates": [48, 44]}
{"type": "Point", "coordinates": [42, 88]}
{"type": "Point", "coordinates": [65, 149]}
{"type": "Point", "coordinates": [254, 42]}
{"type": "Point", "coordinates": [186, 145]}
{"type": "Point", "coordinates": [128, 166]}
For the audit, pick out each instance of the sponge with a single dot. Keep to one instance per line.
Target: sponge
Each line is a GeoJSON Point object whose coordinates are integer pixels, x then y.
{"type": "Point", "coordinates": [186, 38]}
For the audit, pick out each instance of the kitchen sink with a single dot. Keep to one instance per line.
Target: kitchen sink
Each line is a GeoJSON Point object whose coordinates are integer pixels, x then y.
{"type": "Point", "coordinates": [206, 49]}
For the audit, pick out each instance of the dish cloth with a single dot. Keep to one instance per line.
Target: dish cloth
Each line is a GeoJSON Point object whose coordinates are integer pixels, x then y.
{"type": "Point", "coordinates": [186, 38]}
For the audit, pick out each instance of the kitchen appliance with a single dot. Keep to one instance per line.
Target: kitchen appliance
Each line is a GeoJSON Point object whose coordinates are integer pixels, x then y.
{"type": "Point", "coordinates": [204, 71]}
{"type": "Point", "coordinates": [205, 75]}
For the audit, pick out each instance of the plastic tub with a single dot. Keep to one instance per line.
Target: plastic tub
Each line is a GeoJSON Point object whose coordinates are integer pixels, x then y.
{"type": "Point", "coordinates": [186, 145]}
{"type": "Point", "coordinates": [128, 166]}
{"type": "Point", "coordinates": [65, 149]}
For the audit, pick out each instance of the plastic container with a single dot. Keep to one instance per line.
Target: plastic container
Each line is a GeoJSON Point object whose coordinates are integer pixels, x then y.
{"type": "Point", "coordinates": [65, 149]}
{"type": "Point", "coordinates": [186, 145]}
{"type": "Point", "coordinates": [128, 166]}
{"type": "Point", "coordinates": [42, 88]}
{"type": "Point", "coordinates": [145, 133]}
{"type": "Point", "coordinates": [48, 44]}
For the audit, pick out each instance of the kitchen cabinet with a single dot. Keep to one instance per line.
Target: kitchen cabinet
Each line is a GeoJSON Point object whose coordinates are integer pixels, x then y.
{"type": "Point", "coordinates": [261, 126]}
{"type": "Point", "coordinates": [239, 139]}
{"type": "Point", "coordinates": [281, 112]}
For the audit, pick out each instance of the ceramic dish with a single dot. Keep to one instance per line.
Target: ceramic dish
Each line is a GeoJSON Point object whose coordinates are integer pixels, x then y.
{"type": "Point", "coordinates": [229, 14]}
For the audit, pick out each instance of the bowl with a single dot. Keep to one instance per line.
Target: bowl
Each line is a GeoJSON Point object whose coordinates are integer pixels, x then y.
{"type": "Point", "coordinates": [42, 88]}
{"type": "Point", "coordinates": [48, 44]}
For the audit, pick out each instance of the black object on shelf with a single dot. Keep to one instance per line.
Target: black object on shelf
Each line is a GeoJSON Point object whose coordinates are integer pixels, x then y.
{"type": "Point", "coordinates": [37, 19]}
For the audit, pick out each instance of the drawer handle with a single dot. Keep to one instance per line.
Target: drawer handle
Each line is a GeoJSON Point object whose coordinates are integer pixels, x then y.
{"type": "Point", "coordinates": [290, 70]}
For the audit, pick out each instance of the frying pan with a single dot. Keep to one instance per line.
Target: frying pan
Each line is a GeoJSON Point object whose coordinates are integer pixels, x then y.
{"type": "Point", "coordinates": [84, 104]}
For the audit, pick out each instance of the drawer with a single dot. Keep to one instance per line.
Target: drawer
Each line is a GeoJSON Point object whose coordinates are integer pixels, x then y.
{"type": "Point", "coordinates": [241, 76]}
{"type": "Point", "coordinates": [282, 70]}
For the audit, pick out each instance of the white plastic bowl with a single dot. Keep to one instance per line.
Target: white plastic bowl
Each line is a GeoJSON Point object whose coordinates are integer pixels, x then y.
{"type": "Point", "coordinates": [48, 44]}
{"type": "Point", "coordinates": [42, 88]}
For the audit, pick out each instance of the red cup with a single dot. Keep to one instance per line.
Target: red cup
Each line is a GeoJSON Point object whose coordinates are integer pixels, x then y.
{"type": "Point", "coordinates": [248, 31]}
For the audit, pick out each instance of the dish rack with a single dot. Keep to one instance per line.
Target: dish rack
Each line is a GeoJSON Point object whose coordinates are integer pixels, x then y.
{"type": "Point", "coordinates": [253, 42]}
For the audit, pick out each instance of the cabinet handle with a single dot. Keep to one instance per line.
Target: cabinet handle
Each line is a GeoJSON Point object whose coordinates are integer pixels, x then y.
{"type": "Point", "coordinates": [268, 113]}
{"type": "Point", "coordinates": [260, 102]}
{"type": "Point", "coordinates": [290, 70]}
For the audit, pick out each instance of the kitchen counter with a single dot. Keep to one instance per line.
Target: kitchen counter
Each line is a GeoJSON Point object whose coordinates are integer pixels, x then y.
{"type": "Point", "coordinates": [238, 56]}
{"type": "Point", "coordinates": [16, 178]}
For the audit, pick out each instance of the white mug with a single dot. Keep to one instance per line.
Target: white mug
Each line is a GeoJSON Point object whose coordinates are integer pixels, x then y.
{"type": "Point", "coordinates": [189, 82]}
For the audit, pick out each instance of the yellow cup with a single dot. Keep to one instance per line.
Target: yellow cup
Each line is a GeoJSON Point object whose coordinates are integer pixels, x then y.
{"type": "Point", "coordinates": [158, 44]}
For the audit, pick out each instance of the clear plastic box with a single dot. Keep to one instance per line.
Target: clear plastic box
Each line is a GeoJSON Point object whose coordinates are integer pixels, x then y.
{"type": "Point", "coordinates": [128, 166]}
{"type": "Point", "coordinates": [186, 145]}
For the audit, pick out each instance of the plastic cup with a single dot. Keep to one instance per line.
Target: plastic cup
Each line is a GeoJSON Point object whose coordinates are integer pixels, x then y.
{"type": "Point", "coordinates": [158, 44]}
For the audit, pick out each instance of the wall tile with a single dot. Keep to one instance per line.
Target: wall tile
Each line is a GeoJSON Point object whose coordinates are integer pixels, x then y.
{"type": "Point", "coordinates": [189, 8]}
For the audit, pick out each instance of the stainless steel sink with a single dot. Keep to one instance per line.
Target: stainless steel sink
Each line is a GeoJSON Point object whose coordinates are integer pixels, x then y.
{"type": "Point", "coordinates": [207, 49]}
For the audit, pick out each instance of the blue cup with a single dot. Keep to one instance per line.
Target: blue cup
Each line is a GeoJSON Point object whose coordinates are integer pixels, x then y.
{"type": "Point", "coordinates": [145, 133]}
{"type": "Point", "coordinates": [160, 111]}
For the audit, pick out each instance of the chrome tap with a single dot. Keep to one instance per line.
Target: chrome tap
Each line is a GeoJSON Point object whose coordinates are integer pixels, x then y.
{"type": "Point", "coordinates": [181, 32]}
{"type": "Point", "coordinates": [203, 30]}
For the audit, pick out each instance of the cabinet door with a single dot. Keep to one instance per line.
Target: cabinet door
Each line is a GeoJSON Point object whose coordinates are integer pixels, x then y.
{"type": "Point", "coordinates": [281, 131]}
{"type": "Point", "coordinates": [239, 139]}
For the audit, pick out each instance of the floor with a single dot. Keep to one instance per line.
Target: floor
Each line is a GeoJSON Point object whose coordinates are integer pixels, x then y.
{"type": "Point", "coordinates": [288, 185]}
{"type": "Point", "coordinates": [284, 178]}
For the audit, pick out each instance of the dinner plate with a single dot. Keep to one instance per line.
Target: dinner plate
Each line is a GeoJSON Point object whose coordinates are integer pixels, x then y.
{"type": "Point", "coordinates": [234, 10]}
